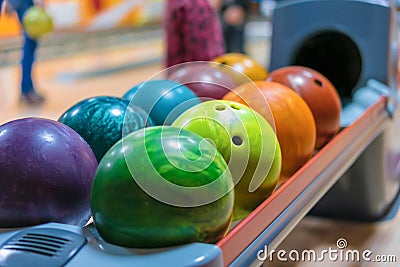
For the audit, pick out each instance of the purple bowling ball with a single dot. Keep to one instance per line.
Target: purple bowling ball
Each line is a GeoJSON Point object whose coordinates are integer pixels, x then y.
{"type": "Point", "coordinates": [206, 81]}
{"type": "Point", "coordinates": [46, 174]}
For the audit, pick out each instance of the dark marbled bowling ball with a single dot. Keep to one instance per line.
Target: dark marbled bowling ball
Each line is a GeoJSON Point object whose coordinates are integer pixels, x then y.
{"type": "Point", "coordinates": [103, 120]}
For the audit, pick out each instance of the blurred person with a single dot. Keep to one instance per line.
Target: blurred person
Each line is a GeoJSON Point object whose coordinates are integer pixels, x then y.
{"type": "Point", "coordinates": [234, 17]}
{"type": "Point", "coordinates": [267, 8]}
{"type": "Point", "coordinates": [193, 31]}
{"type": "Point", "coordinates": [28, 93]}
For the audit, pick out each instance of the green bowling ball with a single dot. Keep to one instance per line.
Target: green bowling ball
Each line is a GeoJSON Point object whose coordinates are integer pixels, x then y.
{"type": "Point", "coordinates": [247, 143]}
{"type": "Point", "coordinates": [162, 186]}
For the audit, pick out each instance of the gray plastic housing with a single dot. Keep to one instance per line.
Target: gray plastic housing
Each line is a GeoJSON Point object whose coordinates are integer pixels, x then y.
{"type": "Point", "coordinates": [351, 42]}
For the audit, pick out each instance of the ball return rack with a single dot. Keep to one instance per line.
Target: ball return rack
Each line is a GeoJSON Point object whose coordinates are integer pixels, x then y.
{"type": "Point", "coordinates": [72, 246]}
{"type": "Point", "coordinates": [365, 153]}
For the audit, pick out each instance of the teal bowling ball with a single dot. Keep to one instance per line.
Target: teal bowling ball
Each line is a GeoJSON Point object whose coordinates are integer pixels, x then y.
{"type": "Point", "coordinates": [162, 186]}
{"type": "Point", "coordinates": [163, 99]}
{"type": "Point", "coordinates": [103, 120]}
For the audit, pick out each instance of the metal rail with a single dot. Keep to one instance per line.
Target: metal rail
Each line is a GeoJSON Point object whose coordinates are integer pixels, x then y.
{"type": "Point", "coordinates": [274, 219]}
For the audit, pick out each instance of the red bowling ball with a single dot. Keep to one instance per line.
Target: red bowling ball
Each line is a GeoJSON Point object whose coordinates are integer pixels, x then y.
{"type": "Point", "coordinates": [206, 81]}
{"type": "Point", "coordinates": [46, 174]}
{"type": "Point", "coordinates": [320, 95]}
{"type": "Point", "coordinates": [291, 118]}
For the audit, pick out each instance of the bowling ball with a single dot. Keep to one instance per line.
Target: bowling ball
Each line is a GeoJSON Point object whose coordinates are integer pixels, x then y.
{"type": "Point", "coordinates": [164, 100]}
{"type": "Point", "coordinates": [242, 64]}
{"type": "Point", "coordinates": [162, 186]}
{"type": "Point", "coordinates": [102, 120]}
{"type": "Point", "coordinates": [247, 143]}
{"type": "Point", "coordinates": [206, 81]}
{"type": "Point", "coordinates": [47, 171]}
{"type": "Point", "coordinates": [293, 119]}
{"type": "Point", "coordinates": [320, 95]}
{"type": "Point", "coordinates": [37, 22]}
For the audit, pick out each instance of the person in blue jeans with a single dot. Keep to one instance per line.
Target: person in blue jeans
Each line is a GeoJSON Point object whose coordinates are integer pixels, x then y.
{"type": "Point", "coordinates": [28, 92]}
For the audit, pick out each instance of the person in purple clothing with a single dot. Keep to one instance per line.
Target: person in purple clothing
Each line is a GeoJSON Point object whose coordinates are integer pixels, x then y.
{"type": "Point", "coordinates": [28, 92]}
{"type": "Point", "coordinates": [193, 31]}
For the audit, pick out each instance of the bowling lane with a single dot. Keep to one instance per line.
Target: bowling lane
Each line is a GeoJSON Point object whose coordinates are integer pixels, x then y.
{"type": "Point", "coordinates": [66, 80]}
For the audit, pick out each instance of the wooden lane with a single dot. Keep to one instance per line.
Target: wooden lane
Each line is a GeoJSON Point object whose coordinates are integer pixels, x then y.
{"type": "Point", "coordinates": [318, 234]}
{"type": "Point", "coordinates": [62, 83]}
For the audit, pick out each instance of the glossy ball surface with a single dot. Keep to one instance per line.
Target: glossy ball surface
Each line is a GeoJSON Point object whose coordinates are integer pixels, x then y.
{"type": "Point", "coordinates": [162, 186]}
{"type": "Point", "coordinates": [243, 65]}
{"type": "Point", "coordinates": [206, 82]}
{"type": "Point", "coordinates": [164, 100]}
{"type": "Point", "coordinates": [47, 171]}
{"type": "Point", "coordinates": [103, 120]}
{"type": "Point", "coordinates": [320, 95]}
{"type": "Point", "coordinates": [248, 144]}
{"type": "Point", "coordinates": [293, 120]}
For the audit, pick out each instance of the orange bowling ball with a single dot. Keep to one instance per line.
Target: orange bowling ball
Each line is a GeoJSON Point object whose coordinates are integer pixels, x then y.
{"type": "Point", "coordinates": [241, 64]}
{"type": "Point", "coordinates": [288, 113]}
{"type": "Point", "coordinates": [320, 95]}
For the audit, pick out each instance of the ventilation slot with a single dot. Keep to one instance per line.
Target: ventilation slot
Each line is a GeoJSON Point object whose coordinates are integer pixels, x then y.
{"type": "Point", "coordinates": [42, 244]}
